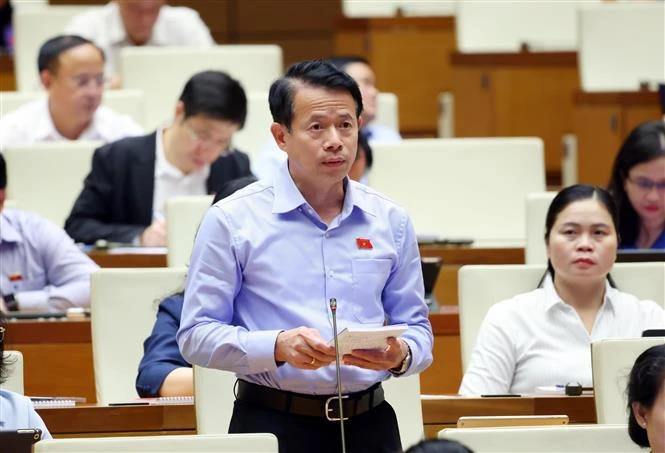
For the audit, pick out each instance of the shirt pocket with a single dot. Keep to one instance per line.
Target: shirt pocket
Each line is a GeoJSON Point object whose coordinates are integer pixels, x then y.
{"type": "Point", "coordinates": [369, 279]}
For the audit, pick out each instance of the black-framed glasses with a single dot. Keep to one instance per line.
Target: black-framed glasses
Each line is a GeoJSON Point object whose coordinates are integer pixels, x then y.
{"type": "Point", "coordinates": [646, 184]}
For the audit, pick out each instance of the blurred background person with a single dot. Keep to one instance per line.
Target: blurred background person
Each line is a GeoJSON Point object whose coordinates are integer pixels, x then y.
{"type": "Point", "coordinates": [638, 186]}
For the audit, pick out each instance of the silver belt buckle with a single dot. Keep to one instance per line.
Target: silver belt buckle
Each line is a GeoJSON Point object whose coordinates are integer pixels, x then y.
{"type": "Point", "coordinates": [330, 409]}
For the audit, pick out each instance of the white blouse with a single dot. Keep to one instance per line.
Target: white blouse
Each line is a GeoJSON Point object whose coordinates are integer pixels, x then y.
{"type": "Point", "coordinates": [536, 339]}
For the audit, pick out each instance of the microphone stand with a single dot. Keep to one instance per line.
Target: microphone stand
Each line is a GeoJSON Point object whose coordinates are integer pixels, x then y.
{"type": "Point", "coordinates": [333, 309]}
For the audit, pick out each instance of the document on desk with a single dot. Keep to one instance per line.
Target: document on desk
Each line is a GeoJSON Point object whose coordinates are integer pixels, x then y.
{"type": "Point", "coordinates": [367, 338]}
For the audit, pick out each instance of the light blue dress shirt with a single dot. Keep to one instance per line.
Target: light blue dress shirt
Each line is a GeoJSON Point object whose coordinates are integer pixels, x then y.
{"type": "Point", "coordinates": [264, 262]}
{"type": "Point", "coordinates": [16, 412]}
{"type": "Point", "coordinates": [50, 272]}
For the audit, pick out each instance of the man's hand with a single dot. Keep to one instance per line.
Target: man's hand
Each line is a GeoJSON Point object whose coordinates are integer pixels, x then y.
{"type": "Point", "coordinates": [379, 359]}
{"type": "Point", "coordinates": [3, 307]}
{"type": "Point", "coordinates": [154, 235]}
{"type": "Point", "coordinates": [303, 348]}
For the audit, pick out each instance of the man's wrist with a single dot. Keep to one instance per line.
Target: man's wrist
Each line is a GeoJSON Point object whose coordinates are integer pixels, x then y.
{"type": "Point", "coordinates": [406, 363]}
{"type": "Point", "coordinates": [11, 304]}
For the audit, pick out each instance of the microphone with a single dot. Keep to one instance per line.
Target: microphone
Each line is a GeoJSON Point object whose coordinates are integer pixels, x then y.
{"type": "Point", "coordinates": [338, 369]}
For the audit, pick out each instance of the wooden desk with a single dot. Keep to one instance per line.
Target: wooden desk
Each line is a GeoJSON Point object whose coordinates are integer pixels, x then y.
{"type": "Point", "coordinates": [104, 258]}
{"type": "Point", "coordinates": [517, 94]}
{"type": "Point", "coordinates": [90, 420]}
{"type": "Point", "coordinates": [601, 123]}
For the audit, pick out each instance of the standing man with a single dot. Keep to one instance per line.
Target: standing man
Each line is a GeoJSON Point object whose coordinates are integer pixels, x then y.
{"type": "Point", "coordinates": [123, 23]}
{"type": "Point", "coordinates": [268, 259]}
{"type": "Point", "coordinates": [124, 195]}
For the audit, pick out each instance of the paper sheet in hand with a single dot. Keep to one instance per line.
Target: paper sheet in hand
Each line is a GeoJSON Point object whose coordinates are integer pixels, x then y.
{"type": "Point", "coordinates": [367, 338]}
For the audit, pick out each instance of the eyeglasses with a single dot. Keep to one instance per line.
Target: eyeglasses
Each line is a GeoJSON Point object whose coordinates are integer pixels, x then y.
{"type": "Point", "coordinates": [82, 81]}
{"type": "Point", "coordinates": [645, 184]}
{"type": "Point", "coordinates": [204, 139]}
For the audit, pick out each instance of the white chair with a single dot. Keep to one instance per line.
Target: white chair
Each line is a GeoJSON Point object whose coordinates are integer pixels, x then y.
{"type": "Point", "coordinates": [151, 69]}
{"type": "Point", "coordinates": [126, 102]}
{"type": "Point", "coordinates": [427, 176]}
{"type": "Point", "coordinates": [387, 111]}
{"type": "Point", "coordinates": [32, 27]}
{"type": "Point", "coordinates": [370, 8]}
{"type": "Point", "coordinates": [482, 286]}
{"type": "Point", "coordinates": [47, 177]}
{"type": "Point", "coordinates": [500, 26]}
{"type": "Point", "coordinates": [403, 394]}
{"type": "Point", "coordinates": [123, 307]}
{"type": "Point", "coordinates": [256, 133]}
{"type": "Point", "coordinates": [14, 362]}
{"type": "Point", "coordinates": [214, 398]}
{"type": "Point", "coordinates": [611, 362]}
{"type": "Point", "coordinates": [567, 438]}
{"type": "Point", "coordinates": [537, 205]}
{"type": "Point", "coordinates": [232, 443]}
{"type": "Point", "coordinates": [626, 32]}
{"type": "Point", "coordinates": [183, 216]}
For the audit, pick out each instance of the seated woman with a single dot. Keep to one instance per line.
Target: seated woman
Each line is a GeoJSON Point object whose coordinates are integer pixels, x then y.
{"type": "Point", "coordinates": [638, 187]}
{"type": "Point", "coordinates": [163, 371]}
{"type": "Point", "coordinates": [16, 411]}
{"type": "Point", "coordinates": [543, 337]}
{"type": "Point", "coordinates": [646, 399]}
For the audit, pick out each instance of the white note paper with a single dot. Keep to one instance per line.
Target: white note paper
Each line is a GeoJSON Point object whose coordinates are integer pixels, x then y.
{"type": "Point", "coordinates": [367, 338]}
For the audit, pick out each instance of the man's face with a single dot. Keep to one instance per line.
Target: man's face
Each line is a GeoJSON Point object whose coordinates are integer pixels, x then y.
{"type": "Point", "coordinates": [323, 139]}
{"type": "Point", "coordinates": [75, 87]}
{"type": "Point", "coordinates": [200, 140]}
{"type": "Point", "coordinates": [138, 17]}
{"type": "Point", "coordinates": [366, 80]}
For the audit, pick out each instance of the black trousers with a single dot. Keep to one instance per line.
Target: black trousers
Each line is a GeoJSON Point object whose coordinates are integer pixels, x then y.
{"type": "Point", "coordinates": [374, 431]}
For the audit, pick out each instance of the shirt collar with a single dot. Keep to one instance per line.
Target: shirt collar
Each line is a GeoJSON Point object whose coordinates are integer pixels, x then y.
{"type": "Point", "coordinates": [7, 231]}
{"type": "Point", "coordinates": [45, 128]}
{"type": "Point", "coordinates": [288, 197]}
{"type": "Point", "coordinates": [552, 297]}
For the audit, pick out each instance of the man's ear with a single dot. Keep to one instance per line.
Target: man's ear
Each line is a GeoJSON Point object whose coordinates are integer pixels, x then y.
{"type": "Point", "coordinates": [46, 78]}
{"type": "Point", "coordinates": [361, 122]}
{"type": "Point", "coordinates": [179, 112]}
{"type": "Point", "coordinates": [279, 133]}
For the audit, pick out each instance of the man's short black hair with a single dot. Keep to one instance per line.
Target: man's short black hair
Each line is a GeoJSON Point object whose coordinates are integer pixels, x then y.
{"type": "Point", "coordinates": [215, 95]}
{"type": "Point", "coordinates": [51, 50]}
{"type": "Point", "coordinates": [3, 172]}
{"type": "Point", "coordinates": [342, 62]}
{"type": "Point", "coordinates": [314, 73]}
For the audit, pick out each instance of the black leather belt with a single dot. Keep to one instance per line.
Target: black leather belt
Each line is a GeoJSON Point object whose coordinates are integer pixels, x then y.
{"type": "Point", "coordinates": [310, 405]}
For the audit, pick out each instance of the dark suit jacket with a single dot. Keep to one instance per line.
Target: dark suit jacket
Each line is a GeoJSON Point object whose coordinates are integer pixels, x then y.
{"type": "Point", "coordinates": [116, 201]}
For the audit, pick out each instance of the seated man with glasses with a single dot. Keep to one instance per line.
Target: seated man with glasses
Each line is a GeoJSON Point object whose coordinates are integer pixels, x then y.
{"type": "Point", "coordinates": [638, 187]}
{"type": "Point", "coordinates": [124, 196]}
{"type": "Point", "coordinates": [71, 70]}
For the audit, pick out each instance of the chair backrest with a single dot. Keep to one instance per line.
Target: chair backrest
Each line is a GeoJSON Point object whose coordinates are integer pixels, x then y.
{"type": "Point", "coordinates": [232, 443]}
{"type": "Point", "coordinates": [626, 32]}
{"type": "Point", "coordinates": [389, 8]}
{"type": "Point", "coordinates": [611, 362]}
{"type": "Point", "coordinates": [214, 398]}
{"type": "Point", "coordinates": [126, 102]}
{"type": "Point", "coordinates": [403, 394]}
{"type": "Point", "coordinates": [491, 26]}
{"type": "Point", "coordinates": [481, 286]}
{"type": "Point", "coordinates": [151, 70]}
{"type": "Point", "coordinates": [537, 205]}
{"type": "Point", "coordinates": [256, 133]}
{"type": "Point", "coordinates": [510, 420]}
{"type": "Point", "coordinates": [14, 362]}
{"type": "Point", "coordinates": [568, 438]}
{"type": "Point", "coordinates": [123, 307]}
{"type": "Point", "coordinates": [47, 177]}
{"type": "Point", "coordinates": [32, 27]}
{"type": "Point", "coordinates": [183, 216]}
{"type": "Point", "coordinates": [495, 174]}
{"type": "Point", "coordinates": [387, 111]}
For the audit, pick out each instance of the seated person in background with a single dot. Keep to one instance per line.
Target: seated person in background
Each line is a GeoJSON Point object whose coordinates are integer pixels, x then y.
{"type": "Point", "coordinates": [41, 269]}
{"type": "Point", "coordinates": [543, 337]}
{"type": "Point", "coordinates": [271, 157]}
{"type": "Point", "coordinates": [125, 23]}
{"type": "Point", "coordinates": [646, 400]}
{"type": "Point", "coordinates": [124, 196]}
{"type": "Point", "coordinates": [363, 163]}
{"type": "Point", "coordinates": [71, 69]}
{"type": "Point", "coordinates": [638, 187]}
{"type": "Point", "coordinates": [163, 371]}
{"type": "Point", "coordinates": [16, 411]}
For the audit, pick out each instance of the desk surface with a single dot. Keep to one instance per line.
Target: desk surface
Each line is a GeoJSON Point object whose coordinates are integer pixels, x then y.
{"type": "Point", "coordinates": [92, 420]}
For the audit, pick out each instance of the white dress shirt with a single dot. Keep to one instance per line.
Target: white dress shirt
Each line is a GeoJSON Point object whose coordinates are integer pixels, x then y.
{"type": "Point", "coordinates": [175, 26]}
{"type": "Point", "coordinates": [536, 339]}
{"type": "Point", "coordinates": [32, 123]}
{"type": "Point", "coordinates": [170, 181]}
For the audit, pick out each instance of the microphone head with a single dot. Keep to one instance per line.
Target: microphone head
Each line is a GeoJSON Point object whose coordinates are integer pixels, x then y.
{"type": "Point", "coordinates": [333, 304]}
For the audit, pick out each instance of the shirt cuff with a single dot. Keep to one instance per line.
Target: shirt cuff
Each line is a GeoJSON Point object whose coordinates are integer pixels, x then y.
{"type": "Point", "coordinates": [261, 350]}
{"type": "Point", "coordinates": [32, 300]}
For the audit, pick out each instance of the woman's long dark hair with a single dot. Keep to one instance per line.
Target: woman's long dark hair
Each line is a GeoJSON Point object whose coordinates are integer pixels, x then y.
{"type": "Point", "coordinates": [645, 143]}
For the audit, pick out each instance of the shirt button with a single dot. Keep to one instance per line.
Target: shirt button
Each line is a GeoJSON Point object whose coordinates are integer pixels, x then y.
{"type": "Point", "coordinates": [332, 274]}
{"type": "Point", "coordinates": [327, 235]}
